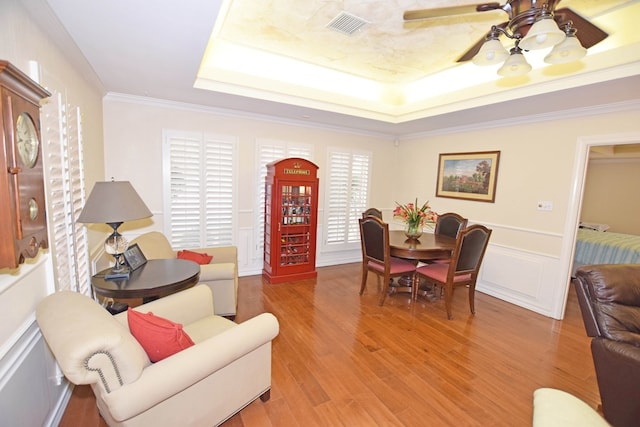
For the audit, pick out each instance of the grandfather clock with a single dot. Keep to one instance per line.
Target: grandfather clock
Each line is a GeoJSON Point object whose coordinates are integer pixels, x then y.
{"type": "Point", "coordinates": [23, 225]}
{"type": "Point", "coordinates": [290, 220]}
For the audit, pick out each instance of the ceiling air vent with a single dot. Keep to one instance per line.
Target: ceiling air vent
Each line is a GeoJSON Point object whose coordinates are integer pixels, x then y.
{"type": "Point", "coordinates": [346, 23]}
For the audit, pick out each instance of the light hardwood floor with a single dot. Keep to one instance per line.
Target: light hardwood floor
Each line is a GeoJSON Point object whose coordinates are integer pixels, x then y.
{"type": "Point", "coordinates": [341, 360]}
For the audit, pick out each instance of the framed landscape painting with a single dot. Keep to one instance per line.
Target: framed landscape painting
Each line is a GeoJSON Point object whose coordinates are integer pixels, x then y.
{"type": "Point", "coordinates": [470, 176]}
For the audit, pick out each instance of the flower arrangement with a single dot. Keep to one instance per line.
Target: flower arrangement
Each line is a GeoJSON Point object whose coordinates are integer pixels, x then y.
{"type": "Point", "coordinates": [415, 217]}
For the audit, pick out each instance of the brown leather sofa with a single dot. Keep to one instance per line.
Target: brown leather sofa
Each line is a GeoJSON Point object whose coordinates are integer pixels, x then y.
{"type": "Point", "coordinates": [609, 298]}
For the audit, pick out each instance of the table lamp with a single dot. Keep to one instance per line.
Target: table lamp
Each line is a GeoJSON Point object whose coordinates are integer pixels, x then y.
{"type": "Point", "coordinates": [113, 203]}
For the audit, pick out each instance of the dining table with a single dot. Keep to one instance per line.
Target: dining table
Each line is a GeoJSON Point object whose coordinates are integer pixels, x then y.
{"type": "Point", "coordinates": [427, 246]}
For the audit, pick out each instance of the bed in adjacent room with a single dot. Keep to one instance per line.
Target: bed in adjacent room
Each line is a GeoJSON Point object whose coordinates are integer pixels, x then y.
{"type": "Point", "coordinates": [598, 247]}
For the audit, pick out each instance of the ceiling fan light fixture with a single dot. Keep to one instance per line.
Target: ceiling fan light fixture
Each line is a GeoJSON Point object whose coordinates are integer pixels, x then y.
{"type": "Point", "coordinates": [490, 53]}
{"type": "Point", "coordinates": [543, 34]}
{"type": "Point", "coordinates": [515, 65]}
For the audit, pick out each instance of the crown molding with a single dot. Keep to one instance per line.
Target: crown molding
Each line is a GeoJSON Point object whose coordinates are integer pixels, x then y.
{"type": "Point", "coordinates": [615, 107]}
{"type": "Point", "coordinates": [196, 108]}
{"type": "Point", "coordinates": [631, 105]}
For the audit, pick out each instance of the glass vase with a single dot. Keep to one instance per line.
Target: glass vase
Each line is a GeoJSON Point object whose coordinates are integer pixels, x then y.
{"type": "Point", "coordinates": [412, 230]}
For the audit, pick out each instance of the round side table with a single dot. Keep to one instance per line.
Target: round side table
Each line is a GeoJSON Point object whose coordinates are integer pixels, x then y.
{"type": "Point", "coordinates": [156, 278]}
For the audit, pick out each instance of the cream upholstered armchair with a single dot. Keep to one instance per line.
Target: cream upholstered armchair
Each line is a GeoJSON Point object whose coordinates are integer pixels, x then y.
{"type": "Point", "coordinates": [221, 274]}
{"type": "Point", "coordinates": [227, 367]}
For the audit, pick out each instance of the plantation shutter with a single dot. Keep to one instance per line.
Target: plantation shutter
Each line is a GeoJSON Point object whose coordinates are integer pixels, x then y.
{"type": "Point", "coordinates": [359, 191]}
{"type": "Point", "coordinates": [218, 192]}
{"type": "Point", "coordinates": [199, 191]}
{"type": "Point", "coordinates": [346, 195]}
{"type": "Point", "coordinates": [64, 183]}
{"type": "Point", "coordinates": [269, 151]}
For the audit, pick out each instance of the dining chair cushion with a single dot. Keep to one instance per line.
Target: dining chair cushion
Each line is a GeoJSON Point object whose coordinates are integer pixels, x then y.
{"type": "Point", "coordinates": [398, 266]}
{"type": "Point", "coordinates": [439, 272]}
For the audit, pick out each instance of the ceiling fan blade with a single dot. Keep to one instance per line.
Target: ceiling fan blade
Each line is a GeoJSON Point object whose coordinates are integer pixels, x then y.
{"type": "Point", "coordinates": [469, 54]}
{"type": "Point", "coordinates": [588, 33]}
{"type": "Point", "coordinates": [441, 12]}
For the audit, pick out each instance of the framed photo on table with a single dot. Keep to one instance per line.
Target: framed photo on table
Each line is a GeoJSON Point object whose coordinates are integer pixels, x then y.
{"type": "Point", "coordinates": [469, 176]}
{"type": "Point", "coordinates": [134, 257]}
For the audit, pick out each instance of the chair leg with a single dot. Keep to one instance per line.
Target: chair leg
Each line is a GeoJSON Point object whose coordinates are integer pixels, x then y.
{"type": "Point", "coordinates": [448, 298]}
{"type": "Point", "coordinates": [472, 298]}
{"type": "Point", "coordinates": [364, 280]}
{"type": "Point", "coordinates": [385, 289]}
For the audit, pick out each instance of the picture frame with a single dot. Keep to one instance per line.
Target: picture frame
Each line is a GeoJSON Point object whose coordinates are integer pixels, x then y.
{"type": "Point", "coordinates": [134, 257]}
{"type": "Point", "coordinates": [468, 176]}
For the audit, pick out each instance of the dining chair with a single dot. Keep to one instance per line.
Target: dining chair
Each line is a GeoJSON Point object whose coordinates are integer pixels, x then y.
{"type": "Point", "coordinates": [462, 269]}
{"type": "Point", "coordinates": [448, 224]}
{"type": "Point", "coordinates": [372, 212]}
{"type": "Point", "coordinates": [376, 255]}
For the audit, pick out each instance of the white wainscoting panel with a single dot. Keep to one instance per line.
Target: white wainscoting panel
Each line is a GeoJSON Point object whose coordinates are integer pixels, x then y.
{"type": "Point", "coordinates": [523, 278]}
{"type": "Point", "coordinates": [31, 392]}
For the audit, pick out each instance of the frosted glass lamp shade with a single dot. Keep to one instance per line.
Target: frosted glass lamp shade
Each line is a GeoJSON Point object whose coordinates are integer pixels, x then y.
{"type": "Point", "coordinates": [515, 65]}
{"type": "Point", "coordinates": [490, 53]}
{"type": "Point", "coordinates": [543, 34]}
{"type": "Point", "coordinates": [569, 50]}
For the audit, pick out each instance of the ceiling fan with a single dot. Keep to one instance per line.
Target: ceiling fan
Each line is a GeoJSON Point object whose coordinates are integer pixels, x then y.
{"type": "Point", "coordinates": [522, 15]}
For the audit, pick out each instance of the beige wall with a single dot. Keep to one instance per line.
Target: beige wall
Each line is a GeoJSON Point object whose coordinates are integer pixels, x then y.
{"type": "Point", "coordinates": [29, 32]}
{"type": "Point", "coordinates": [23, 40]}
{"type": "Point", "coordinates": [536, 163]}
{"type": "Point", "coordinates": [133, 134]}
{"type": "Point", "coordinates": [29, 382]}
{"type": "Point", "coordinates": [529, 258]}
{"type": "Point", "coordinates": [528, 262]}
{"type": "Point", "coordinates": [24, 37]}
{"type": "Point", "coordinates": [612, 196]}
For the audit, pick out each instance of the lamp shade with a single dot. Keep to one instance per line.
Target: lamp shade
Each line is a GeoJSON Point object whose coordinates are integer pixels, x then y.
{"type": "Point", "coordinates": [544, 33]}
{"type": "Point", "coordinates": [491, 52]}
{"type": "Point", "coordinates": [113, 202]}
{"type": "Point", "coordinates": [568, 51]}
{"type": "Point", "coordinates": [515, 65]}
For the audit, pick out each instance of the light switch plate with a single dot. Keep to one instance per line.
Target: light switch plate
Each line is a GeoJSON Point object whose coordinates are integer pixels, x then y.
{"type": "Point", "coordinates": [545, 205]}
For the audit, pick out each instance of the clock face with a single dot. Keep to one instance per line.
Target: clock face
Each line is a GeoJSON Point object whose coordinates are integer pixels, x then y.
{"type": "Point", "coordinates": [27, 140]}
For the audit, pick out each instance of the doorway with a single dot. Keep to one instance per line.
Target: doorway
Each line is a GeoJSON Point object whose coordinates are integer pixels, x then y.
{"type": "Point", "coordinates": [583, 148]}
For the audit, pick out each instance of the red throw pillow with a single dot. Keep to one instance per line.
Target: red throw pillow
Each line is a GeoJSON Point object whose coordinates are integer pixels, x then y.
{"type": "Point", "coordinates": [195, 256]}
{"type": "Point", "coordinates": [159, 337]}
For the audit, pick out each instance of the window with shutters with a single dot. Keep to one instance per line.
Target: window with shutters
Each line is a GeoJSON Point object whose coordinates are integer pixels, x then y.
{"type": "Point", "coordinates": [346, 196]}
{"type": "Point", "coordinates": [267, 151]}
{"type": "Point", "coordinates": [64, 182]}
{"type": "Point", "coordinates": [199, 191]}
